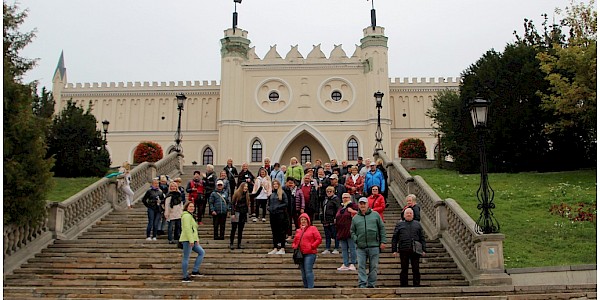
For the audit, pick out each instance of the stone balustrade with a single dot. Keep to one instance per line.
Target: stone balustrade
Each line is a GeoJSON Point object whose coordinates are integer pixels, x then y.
{"type": "Point", "coordinates": [479, 256]}
{"type": "Point", "coordinates": [67, 219]}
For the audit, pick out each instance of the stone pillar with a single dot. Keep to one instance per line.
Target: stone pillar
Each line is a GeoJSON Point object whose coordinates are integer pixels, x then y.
{"type": "Point", "coordinates": [442, 218]}
{"type": "Point", "coordinates": [489, 253]}
{"type": "Point", "coordinates": [56, 218]}
{"type": "Point", "coordinates": [112, 194]}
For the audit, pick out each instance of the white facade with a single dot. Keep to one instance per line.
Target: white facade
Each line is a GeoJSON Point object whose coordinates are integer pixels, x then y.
{"type": "Point", "coordinates": [318, 103]}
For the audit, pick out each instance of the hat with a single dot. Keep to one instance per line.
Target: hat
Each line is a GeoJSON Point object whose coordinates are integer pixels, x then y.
{"type": "Point", "coordinates": [220, 182]}
{"type": "Point", "coordinates": [363, 199]}
{"type": "Point", "coordinates": [360, 158]}
{"type": "Point", "coordinates": [333, 176]}
{"type": "Point", "coordinates": [372, 163]}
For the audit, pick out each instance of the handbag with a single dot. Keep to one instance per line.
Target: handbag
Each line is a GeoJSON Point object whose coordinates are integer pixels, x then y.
{"type": "Point", "coordinates": [235, 217]}
{"type": "Point", "coordinates": [417, 247]}
{"type": "Point", "coordinates": [298, 257]}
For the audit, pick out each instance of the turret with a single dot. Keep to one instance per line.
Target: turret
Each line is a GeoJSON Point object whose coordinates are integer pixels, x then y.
{"type": "Point", "coordinates": [59, 80]}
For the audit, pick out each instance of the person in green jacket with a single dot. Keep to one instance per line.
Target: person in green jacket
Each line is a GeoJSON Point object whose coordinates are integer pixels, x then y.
{"type": "Point", "coordinates": [295, 170]}
{"type": "Point", "coordinates": [189, 239]}
{"type": "Point", "coordinates": [368, 232]}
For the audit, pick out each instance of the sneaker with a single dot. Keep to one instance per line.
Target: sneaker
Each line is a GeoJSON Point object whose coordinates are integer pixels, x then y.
{"type": "Point", "coordinates": [274, 251]}
{"type": "Point", "coordinates": [264, 220]}
{"type": "Point", "coordinates": [154, 238]}
{"type": "Point", "coordinates": [352, 267]}
{"type": "Point", "coordinates": [335, 252]}
{"type": "Point", "coordinates": [343, 268]}
{"type": "Point", "coordinates": [254, 220]}
{"type": "Point", "coordinates": [281, 251]}
{"type": "Point", "coordinates": [197, 274]}
{"type": "Point", "coordinates": [186, 279]}
{"type": "Point", "coordinates": [254, 215]}
{"type": "Point", "coordinates": [326, 251]}
{"type": "Point", "coordinates": [148, 239]}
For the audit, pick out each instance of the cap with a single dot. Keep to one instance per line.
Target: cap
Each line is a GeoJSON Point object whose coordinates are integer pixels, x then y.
{"type": "Point", "coordinates": [333, 176]}
{"type": "Point", "coordinates": [363, 199]}
{"type": "Point", "coordinates": [220, 182]}
{"type": "Point", "coordinates": [372, 163]}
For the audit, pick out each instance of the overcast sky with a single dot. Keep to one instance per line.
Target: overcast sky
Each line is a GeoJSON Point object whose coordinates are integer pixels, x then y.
{"type": "Point", "coordinates": [150, 40]}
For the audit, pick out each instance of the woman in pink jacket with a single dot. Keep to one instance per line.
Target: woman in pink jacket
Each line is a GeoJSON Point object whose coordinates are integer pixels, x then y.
{"type": "Point", "coordinates": [376, 201]}
{"type": "Point", "coordinates": [308, 239]}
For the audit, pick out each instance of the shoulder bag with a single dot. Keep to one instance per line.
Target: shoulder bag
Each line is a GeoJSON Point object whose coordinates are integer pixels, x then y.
{"type": "Point", "coordinates": [298, 256]}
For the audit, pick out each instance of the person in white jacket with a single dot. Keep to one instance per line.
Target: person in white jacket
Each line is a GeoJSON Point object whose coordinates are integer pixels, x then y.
{"type": "Point", "coordinates": [173, 211]}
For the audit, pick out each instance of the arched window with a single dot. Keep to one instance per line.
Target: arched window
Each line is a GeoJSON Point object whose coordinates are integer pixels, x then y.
{"type": "Point", "coordinates": [304, 155]}
{"type": "Point", "coordinates": [352, 149]}
{"type": "Point", "coordinates": [207, 156]}
{"type": "Point", "coordinates": [256, 151]}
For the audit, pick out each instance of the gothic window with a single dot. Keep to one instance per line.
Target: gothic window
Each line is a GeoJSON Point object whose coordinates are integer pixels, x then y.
{"type": "Point", "coordinates": [207, 156]}
{"type": "Point", "coordinates": [256, 151]}
{"type": "Point", "coordinates": [304, 155]}
{"type": "Point", "coordinates": [352, 149]}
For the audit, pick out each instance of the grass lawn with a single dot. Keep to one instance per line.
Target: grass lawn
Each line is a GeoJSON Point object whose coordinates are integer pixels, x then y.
{"type": "Point", "coordinates": [534, 237]}
{"type": "Point", "coordinates": [63, 188]}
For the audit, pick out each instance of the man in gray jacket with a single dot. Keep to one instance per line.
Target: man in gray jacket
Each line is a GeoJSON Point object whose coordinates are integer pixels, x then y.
{"type": "Point", "coordinates": [368, 232]}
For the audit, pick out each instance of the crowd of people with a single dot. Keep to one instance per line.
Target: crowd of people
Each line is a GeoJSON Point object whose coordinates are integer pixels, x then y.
{"type": "Point", "coordinates": [348, 200]}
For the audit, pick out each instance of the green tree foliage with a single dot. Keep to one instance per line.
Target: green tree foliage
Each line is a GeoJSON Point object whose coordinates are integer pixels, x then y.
{"type": "Point", "coordinates": [77, 144]}
{"type": "Point", "coordinates": [27, 175]}
{"type": "Point", "coordinates": [451, 118]}
{"type": "Point", "coordinates": [570, 68]}
{"type": "Point", "coordinates": [43, 109]}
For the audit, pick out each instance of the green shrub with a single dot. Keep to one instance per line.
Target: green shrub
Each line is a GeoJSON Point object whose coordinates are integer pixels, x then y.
{"type": "Point", "coordinates": [147, 151]}
{"type": "Point", "coordinates": [412, 148]}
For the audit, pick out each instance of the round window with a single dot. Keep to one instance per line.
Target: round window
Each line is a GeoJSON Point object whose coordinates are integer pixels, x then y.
{"type": "Point", "coordinates": [273, 96]}
{"type": "Point", "coordinates": [336, 95]}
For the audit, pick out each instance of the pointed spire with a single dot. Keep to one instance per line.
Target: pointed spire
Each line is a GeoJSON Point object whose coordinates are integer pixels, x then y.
{"type": "Point", "coordinates": [60, 68]}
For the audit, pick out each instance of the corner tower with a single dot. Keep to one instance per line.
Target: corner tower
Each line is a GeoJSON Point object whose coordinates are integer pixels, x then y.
{"type": "Point", "coordinates": [234, 53]}
{"type": "Point", "coordinates": [59, 80]}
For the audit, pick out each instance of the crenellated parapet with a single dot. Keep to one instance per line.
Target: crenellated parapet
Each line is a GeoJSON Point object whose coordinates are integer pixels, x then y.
{"type": "Point", "coordinates": [315, 56]}
{"type": "Point", "coordinates": [424, 84]}
{"type": "Point", "coordinates": [140, 88]}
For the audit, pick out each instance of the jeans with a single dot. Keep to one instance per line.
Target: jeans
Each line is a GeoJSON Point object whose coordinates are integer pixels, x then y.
{"type": "Point", "coordinates": [186, 257]}
{"type": "Point", "coordinates": [348, 251]}
{"type": "Point", "coordinates": [153, 219]}
{"type": "Point", "coordinates": [413, 258]}
{"type": "Point", "coordinates": [373, 254]}
{"type": "Point", "coordinates": [306, 267]}
{"type": "Point", "coordinates": [174, 227]}
{"type": "Point", "coordinates": [330, 233]}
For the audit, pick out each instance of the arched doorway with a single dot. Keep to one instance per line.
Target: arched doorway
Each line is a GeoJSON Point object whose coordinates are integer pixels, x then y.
{"type": "Point", "coordinates": [304, 143]}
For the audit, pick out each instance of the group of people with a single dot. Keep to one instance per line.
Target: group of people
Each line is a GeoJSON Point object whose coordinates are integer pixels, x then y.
{"type": "Point", "coordinates": [348, 200]}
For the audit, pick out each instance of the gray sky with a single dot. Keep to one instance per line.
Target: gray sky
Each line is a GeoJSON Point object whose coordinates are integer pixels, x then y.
{"type": "Point", "coordinates": [150, 40]}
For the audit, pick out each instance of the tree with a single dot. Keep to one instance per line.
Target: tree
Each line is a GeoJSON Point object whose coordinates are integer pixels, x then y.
{"type": "Point", "coordinates": [412, 148]}
{"type": "Point", "coordinates": [27, 176]}
{"type": "Point", "coordinates": [77, 144]}
{"type": "Point", "coordinates": [570, 69]}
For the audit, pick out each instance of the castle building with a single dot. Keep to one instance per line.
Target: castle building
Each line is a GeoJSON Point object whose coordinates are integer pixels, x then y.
{"type": "Point", "coordinates": [313, 107]}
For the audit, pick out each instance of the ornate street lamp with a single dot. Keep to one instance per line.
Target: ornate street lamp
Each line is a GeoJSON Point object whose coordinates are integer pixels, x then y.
{"type": "Point", "coordinates": [378, 134]}
{"type": "Point", "coordinates": [180, 99]}
{"type": "Point", "coordinates": [486, 223]}
{"type": "Point", "coordinates": [105, 128]}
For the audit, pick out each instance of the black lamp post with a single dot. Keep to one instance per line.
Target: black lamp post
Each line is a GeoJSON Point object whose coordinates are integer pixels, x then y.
{"type": "Point", "coordinates": [486, 223]}
{"type": "Point", "coordinates": [180, 99]}
{"type": "Point", "coordinates": [105, 128]}
{"type": "Point", "coordinates": [378, 134]}
{"type": "Point", "coordinates": [235, 14]}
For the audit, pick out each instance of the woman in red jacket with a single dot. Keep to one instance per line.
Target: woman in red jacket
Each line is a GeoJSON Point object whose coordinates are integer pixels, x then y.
{"type": "Point", "coordinates": [308, 239]}
{"type": "Point", "coordinates": [376, 201]}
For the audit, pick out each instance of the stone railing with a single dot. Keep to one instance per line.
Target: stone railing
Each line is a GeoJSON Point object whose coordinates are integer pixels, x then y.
{"type": "Point", "coordinates": [67, 219]}
{"type": "Point", "coordinates": [479, 256]}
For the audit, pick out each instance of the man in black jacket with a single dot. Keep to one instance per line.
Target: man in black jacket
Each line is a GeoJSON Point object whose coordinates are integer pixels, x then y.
{"type": "Point", "coordinates": [406, 234]}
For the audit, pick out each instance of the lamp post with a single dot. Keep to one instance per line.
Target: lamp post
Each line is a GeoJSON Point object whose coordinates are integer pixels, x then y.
{"type": "Point", "coordinates": [486, 223]}
{"type": "Point", "coordinates": [105, 128]}
{"type": "Point", "coordinates": [378, 134]}
{"type": "Point", "coordinates": [180, 99]}
{"type": "Point", "coordinates": [235, 14]}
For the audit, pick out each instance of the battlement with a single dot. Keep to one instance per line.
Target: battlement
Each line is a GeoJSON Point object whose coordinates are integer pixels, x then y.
{"type": "Point", "coordinates": [137, 85]}
{"type": "Point", "coordinates": [425, 81]}
{"type": "Point", "coordinates": [316, 55]}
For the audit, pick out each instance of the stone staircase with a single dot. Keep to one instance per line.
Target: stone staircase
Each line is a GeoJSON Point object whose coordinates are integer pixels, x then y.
{"type": "Point", "coordinates": [114, 260]}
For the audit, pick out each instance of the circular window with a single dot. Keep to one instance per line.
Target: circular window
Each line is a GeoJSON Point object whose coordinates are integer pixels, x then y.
{"type": "Point", "coordinates": [273, 96]}
{"type": "Point", "coordinates": [336, 96]}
